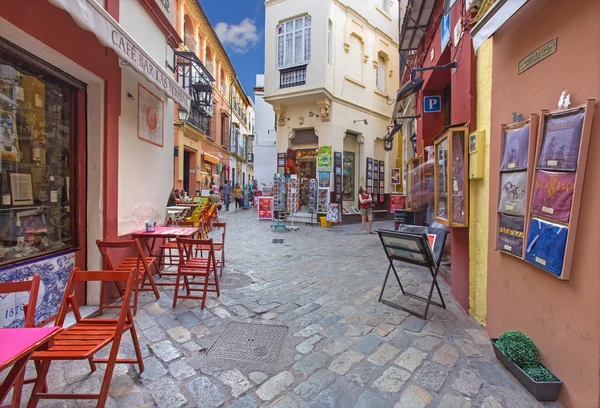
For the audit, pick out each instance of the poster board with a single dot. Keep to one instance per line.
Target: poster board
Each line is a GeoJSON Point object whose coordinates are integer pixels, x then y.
{"type": "Point", "coordinates": [265, 208]}
{"type": "Point", "coordinates": [397, 202]}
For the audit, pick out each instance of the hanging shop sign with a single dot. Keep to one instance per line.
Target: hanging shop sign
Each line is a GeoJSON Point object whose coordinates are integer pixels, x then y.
{"type": "Point", "coordinates": [325, 159]}
{"type": "Point", "coordinates": [265, 208]}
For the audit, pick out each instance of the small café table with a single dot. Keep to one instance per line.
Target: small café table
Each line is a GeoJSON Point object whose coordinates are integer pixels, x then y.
{"type": "Point", "coordinates": [16, 347]}
{"type": "Point", "coordinates": [164, 232]}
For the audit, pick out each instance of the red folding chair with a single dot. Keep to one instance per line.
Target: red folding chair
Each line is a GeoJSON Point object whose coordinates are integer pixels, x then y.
{"type": "Point", "coordinates": [191, 267]}
{"type": "Point", "coordinates": [32, 286]}
{"type": "Point", "coordinates": [217, 246]}
{"type": "Point", "coordinates": [88, 336]}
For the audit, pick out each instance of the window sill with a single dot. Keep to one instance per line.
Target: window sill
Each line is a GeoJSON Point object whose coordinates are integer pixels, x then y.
{"type": "Point", "coordinates": [378, 92]}
{"type": "Point", "coordinates": [292, 67]}
{"type": "Point", "coordinates": [355, 81]}
{"type": "Point", "coordinates": [385, 13]}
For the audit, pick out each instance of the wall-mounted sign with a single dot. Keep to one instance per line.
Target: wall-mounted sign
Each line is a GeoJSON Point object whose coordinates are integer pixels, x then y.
{"type": "Point", "coordinates": [538, 55]}
{"type": "Point", "coordinates": [445, 30]}
{"type": "Point", "coordinates": [432, 104]}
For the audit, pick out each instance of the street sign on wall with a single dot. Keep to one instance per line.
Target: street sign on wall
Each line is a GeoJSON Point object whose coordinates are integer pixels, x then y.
{"type": "Point", "coordinates": [445, 31]}
{"type": "Point", "coordinates": [432, 104]}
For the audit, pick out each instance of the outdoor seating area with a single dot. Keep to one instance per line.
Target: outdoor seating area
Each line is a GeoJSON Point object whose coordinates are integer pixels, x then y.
{"type": "Point", "coordinates": [128, 267]}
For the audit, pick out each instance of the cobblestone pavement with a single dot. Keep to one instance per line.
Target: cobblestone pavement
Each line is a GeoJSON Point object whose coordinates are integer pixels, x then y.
{"type": "Point", "coordinates": [343, 348]}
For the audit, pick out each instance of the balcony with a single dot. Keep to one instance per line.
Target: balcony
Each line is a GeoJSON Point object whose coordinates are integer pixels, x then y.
{"type": "Point", "coordinates": [197, 81]}
{"type": "Point", "coordinates": [188, 41]}
{"type": "Point", "coordinates": [294, 76]}
{"type": "Point", "coordinates": [199, 120]}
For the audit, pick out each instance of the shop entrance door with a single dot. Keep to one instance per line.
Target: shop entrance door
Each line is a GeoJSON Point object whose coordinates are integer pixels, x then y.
{"type": "Point", "coordinates": [307, 169]}
{"type": "Point", "coordinates": [186, 170]}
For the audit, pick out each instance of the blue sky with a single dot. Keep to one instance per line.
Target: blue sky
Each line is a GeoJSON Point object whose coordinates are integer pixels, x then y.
{"type": "Point", "coordinates": [240, 27]}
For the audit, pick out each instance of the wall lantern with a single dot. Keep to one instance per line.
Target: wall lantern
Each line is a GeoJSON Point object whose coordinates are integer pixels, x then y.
{"type": "Point", "coordinates": [182, 115]}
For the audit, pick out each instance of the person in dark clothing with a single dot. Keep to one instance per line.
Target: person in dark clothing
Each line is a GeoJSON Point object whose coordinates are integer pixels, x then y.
{"type": "Point", "coordinates": [227, 194]}
{"type": "Point", "coordinates": [174, 198]}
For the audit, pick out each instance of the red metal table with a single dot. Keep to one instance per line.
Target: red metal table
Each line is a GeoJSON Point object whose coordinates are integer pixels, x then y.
{"type": "Point", "coordinates": [17, 346]}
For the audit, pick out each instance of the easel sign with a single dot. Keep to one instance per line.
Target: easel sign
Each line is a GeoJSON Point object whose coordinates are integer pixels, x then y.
{"type": "Point", "coordinates": [414, 246]}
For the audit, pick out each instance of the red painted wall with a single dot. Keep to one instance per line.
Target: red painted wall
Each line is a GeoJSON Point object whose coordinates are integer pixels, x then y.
{"type": "Point", "coordinates": [55, 28]}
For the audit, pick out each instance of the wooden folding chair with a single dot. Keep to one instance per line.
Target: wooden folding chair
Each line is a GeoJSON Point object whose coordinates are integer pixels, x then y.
{"type": "Point", "coordinates": [170, 245]}
{"type": "Point", "coordinates": [88, 336]}
{"type": "Point", "coordinates": [32, 286]}
{"type": "Point", "coordinates": [140, 263]}
{"type": "Point", "coordinates": [217, 246]}
{"type": "Point", "coordinates": [195, 267]}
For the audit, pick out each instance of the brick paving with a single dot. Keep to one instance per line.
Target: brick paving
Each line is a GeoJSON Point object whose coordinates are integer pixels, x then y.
{"type": "Point", "coordinates": [343, 348]}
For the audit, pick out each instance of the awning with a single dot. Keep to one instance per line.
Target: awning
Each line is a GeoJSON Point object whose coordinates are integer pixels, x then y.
{"type": "Point", "coordinates": [210, 158]}
{"type": "Point", "coordinates": [90, 16]}
{"type": "Point", "coordinates": [414, 23]}
{"type": "Point", "coordinates": [496, 16]}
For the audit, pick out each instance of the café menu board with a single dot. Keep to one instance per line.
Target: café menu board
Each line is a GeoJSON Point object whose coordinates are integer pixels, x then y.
{"type": "Point", "coordinates": [265, 208]}
{"type": "Point", "coordinates": [396, 202]}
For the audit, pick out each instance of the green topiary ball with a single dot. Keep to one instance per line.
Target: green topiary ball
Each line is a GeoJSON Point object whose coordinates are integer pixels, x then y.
{"type": "Point", "coordinates": [539, 373]}
{"type": "Point", "coordinates": [518, 348]}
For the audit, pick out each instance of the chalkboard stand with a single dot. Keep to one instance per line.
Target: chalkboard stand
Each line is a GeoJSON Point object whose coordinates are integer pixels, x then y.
{"type": "Point", "coordinates": [412, 246]}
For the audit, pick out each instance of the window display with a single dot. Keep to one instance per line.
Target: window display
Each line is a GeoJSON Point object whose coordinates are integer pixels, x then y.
{"type": "Point", "coordinates": [413, 180]}
{"type": "Point", "coordinates": [562, 137]}
{"type": "Point", "coordinates": [459, 175]}
{"type": "Point", "coordinates": [553, 195]}
{"type": "Point", "coordinates": [546, 244]}
{"type": "Point", "coordinates": [441, 181]}
{"type": "Point", "coordinates": [516, 149]}
{"type": "Point", "coordinates": [348, 176]}
{"type": "Point", "coordinates": [37, 112]}
{"type": "Point", "coordinates": [513, 187]}
{"type": "Point", "coordinates": [510, 234]}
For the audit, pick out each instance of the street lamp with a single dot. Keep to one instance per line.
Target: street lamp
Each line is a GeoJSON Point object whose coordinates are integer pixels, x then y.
{"type": "Point", "coordinates": [182, 114]}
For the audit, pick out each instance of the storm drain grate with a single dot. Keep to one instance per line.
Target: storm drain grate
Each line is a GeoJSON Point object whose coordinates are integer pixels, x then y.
{"type": "Point", "coordinates": [249, 342]}
{"type": "Point", "coordinates": [277, 241]}
{"type": "Point", "coordinates": [234, 280]}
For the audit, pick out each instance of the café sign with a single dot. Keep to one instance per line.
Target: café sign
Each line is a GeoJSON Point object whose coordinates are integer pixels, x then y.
{"type": "Point", "coordinates": [90, 15]}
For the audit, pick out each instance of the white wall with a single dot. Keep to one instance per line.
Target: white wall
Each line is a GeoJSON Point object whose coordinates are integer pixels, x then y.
{"type": "Point", "coordinates": [136, 21]}
{"type": "Point", "coordinates": [265, 149]}
{"type": "Point", "coordinates": [145, 170]}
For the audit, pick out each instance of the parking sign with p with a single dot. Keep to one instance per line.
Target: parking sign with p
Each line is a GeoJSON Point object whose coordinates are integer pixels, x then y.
{"type": "Point", "coordinates": [432, 104]}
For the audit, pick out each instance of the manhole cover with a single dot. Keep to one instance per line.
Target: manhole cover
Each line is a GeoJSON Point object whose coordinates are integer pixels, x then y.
{"type": "Point", "coordinates": [250, 342]}
{"type": "Point", "coordinates": [277, 241]}
{"type": "Point", "coordinates": [234, 280]}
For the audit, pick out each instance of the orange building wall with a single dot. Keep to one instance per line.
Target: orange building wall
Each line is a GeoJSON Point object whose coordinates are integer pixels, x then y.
{"type": "Point", "coordinates": [562, 317]}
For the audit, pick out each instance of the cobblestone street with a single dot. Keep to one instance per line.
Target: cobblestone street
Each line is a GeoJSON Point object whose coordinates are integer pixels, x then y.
{"type": "Point", "coordinates": [342, 347]}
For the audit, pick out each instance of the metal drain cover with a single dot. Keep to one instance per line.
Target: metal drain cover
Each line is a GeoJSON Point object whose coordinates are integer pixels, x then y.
{"type": "Point", "coordinates": [277, 241]}
{"type": "Point", "coordinates": [234, 280]}
{"type": "Point", "coordinates": [249, 342]}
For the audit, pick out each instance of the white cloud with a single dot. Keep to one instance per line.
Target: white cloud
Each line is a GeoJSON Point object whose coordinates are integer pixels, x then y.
{"type": "Point", "coordinates": [239, 38]}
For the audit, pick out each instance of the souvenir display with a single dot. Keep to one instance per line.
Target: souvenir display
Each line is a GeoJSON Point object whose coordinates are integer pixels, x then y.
{"type": "Point", "coordinates": [561, 140]}
{"type": "Point", "coordinates": [337, 178]}
{"type": "Point", "coordinates": [369, 178]}
{"type": "Point", "coordinates": [281, 163]}
{"type": "Point", "coordinates": [553, 195]}
{"type": "Point", "coordinates": [516, 149]}
{"type": "Point", "coordinates": [512, 193]}
{"type": "Point", "coordinates": [323, 201]}
{"type": "Point", "coordinates": [279, 193]}
{"type": "Point", "coordinates": [348, 173]}
{"type": "Point", "coordinates": [546, 244]}
{"type": "Point", "coordinates": [375, 181]}
{"type": "Point", "coordinates": [292, 194]}
{"type": "Point", "coordinates": [441, 172]}
{"type": "Point", "coordinates": [333, 214]}
{"type": "Point", "coordinates": [312, 196]}
{"type": "Point", "coordinates": [510, 234]}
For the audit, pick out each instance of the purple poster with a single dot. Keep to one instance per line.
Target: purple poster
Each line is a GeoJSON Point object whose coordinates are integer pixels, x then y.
{"type": "Point", "coordinates": [510, 234]}
{"type": "Point", "coordinates": [553, 195]}
{"type": "Point", "coordinates": [512, 193]}
{"type": "Point", "coordinates": [516, 149]}
{"type": "Point", "coordinates": [562, 136]}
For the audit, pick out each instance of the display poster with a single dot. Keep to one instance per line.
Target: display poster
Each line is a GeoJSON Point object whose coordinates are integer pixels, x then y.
{"type": "Point", "coordinates": [9, 145]}
{"type": "Point", "coordinates": [333, 213]}
{"type": "Point", "coordinates": [151, 111]}
{"type": "Point", "coordinates": [396, 202]}
{"type": "Point", "coordinates": [324, 179]}
{"type": "Point", "coordinates": [546, 244]}
{"type": "Point", "coordinates": [516, 149]}
{"type": "Point", "coordinates": [312, 195]}
{"type": "Point", "coordinates": [510, 234]}
{"type": "Point", "coordinates": [280, 163]}
{"type": "Point", "coordinates": [348, 176]}
{"type": "Point", "coordinates": [561, 139]}
{"type": "Point", "coordinates": [512, 193]}
{"type": "Point", "coordinates": [553, 195]}
{"type": "Point", "coordinates": [395, 176]}
{"type": "Point", "coordinates": [22, 190]}
{"type": "Point", "coordinates": [323, 201]}
{"type": "Point", "coordinates": [265, 208]}
{"type": "Point", "coordinates": [337, 176]}
{"type": "Point", "coordinates": [325, 159]}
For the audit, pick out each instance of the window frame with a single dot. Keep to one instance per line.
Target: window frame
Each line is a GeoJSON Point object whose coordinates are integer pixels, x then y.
{"type": "Point", "coordinates": [294, 42]}
{"type": "Point", "coordinates": [383, 4]}
{"type": "Point", "coordinates": [329, 42]}
{"type": "Point", "coordinates": [380, 81]}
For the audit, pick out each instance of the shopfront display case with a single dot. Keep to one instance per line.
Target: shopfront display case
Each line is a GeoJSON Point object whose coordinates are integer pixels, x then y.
{"type": "Point", "coordinates": [451, 179]}
{"type": "Point", "coordinates": [413, 182]}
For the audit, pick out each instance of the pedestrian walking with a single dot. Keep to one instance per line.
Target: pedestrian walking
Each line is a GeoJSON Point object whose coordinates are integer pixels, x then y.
{"type": "Point", "coordinates": [227, 194]}
{"type": "Point", "coordinates": [366, 210]}
{"type": "Point", "coordinates": [238, 195]}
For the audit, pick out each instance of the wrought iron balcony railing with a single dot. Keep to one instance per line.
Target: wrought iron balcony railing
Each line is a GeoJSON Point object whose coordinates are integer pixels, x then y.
{"type": "Point", "coordinates": [292, 76]}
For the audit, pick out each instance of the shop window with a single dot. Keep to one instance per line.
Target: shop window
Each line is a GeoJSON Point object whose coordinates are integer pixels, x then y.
{"type": "Point", "coordinates": [37, 122]}
{"type": "Point", "coordinates": [349, 171]}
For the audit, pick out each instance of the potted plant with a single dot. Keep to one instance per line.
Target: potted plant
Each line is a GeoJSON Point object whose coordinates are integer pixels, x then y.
{"type": "Point", "coordinates": [519, 354]}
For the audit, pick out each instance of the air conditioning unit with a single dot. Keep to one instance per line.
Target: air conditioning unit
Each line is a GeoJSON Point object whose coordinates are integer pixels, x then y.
{"type": "Point", "coordinates": [472, 6]}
